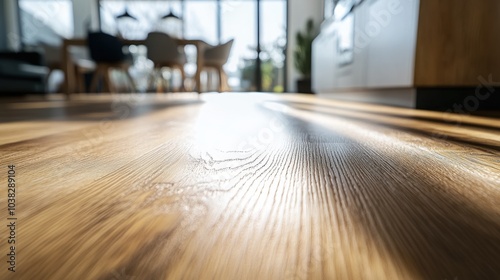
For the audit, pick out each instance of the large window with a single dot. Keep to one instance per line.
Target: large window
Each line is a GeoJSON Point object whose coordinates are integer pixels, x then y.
{"type": "Point", "coordinates": [200, 21]}
{"type": "Point", "coordinates": [257, 60]}
{"type": "Point", "coordinates": [47, 21]}
{"type": "Point", "coordinates": [239, 22]}
{"type": "Point", "coordinates": [273, 45]}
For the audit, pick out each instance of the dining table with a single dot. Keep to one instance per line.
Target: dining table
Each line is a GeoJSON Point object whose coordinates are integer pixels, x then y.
{"type": "Point", "coordinates": [68, 65]}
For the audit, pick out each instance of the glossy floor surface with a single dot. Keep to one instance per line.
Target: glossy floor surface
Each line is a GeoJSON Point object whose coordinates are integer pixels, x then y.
{"type": "Point", "coordinates": [248, 186]}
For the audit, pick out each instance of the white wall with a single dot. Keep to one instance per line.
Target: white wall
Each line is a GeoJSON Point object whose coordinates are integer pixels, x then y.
{"type": "Point", "coordinates": [385, 45]}
{"type": "Point", "coordinates": [299, 11]}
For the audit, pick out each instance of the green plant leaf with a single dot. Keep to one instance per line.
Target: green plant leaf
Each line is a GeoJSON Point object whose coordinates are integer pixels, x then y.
{"type": "Point", "coordinates": [303, 49]}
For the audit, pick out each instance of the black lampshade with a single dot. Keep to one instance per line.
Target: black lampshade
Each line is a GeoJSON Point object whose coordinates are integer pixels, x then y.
{"type": "Point", "coordinates": [170, 15]}
{"type": "Point", "coordinates": [126, 15]}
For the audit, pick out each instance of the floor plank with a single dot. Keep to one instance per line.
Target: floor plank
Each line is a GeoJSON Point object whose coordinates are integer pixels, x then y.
{"type": "Point", "coordinates": [248, 186]}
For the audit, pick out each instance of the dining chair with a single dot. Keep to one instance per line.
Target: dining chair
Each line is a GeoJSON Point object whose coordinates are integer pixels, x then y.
{"type": "Point", "coordinates": [52, 58]}
{"type": "Point", "coordinates": [164, 52]}
{"type": "Point", "coordinates": [215, 57]}
{"type": "Point", "coordinates": [107, 52]}
{"type": "Point", "coordinates": [53, 61]}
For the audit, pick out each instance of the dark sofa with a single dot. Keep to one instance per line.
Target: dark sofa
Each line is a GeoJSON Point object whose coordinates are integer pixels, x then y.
{"type": "Point", "coordinates": [22, 73]}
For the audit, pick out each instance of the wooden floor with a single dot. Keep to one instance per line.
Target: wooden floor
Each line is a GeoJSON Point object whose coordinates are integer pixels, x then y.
{"type": "Point", "coordinates": [248, 186]}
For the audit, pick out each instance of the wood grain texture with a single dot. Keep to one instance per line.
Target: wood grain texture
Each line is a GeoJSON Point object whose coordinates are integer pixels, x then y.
{"type": "Point", "coordinates": [457, 42]}
{"type": "Point", "coordinates": [249, 186]}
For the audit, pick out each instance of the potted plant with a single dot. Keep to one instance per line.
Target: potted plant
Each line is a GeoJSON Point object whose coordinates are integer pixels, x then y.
{"type": "Point", "coordinates": [303, 56]}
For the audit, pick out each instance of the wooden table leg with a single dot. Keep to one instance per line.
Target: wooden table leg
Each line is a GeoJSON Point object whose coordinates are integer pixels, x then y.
{"type": "Point", "coordinates": [68, 68]}
{"type": "Point", "coordinates": [199, 66]}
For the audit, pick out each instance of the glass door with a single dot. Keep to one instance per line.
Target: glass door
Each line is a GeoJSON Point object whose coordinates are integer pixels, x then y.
{"type": "Point", "coordinates": [239, 22]}
{"type": "Point", "coordinates": [273, 29]}
{"type": "Point", "coordinates": [258, 57]}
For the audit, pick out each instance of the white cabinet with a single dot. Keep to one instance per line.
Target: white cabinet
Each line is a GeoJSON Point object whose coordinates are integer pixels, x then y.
{"type": "Point", "coordinates": [385, 35]}
{"type": "Point", "coordinates": [392, 34]}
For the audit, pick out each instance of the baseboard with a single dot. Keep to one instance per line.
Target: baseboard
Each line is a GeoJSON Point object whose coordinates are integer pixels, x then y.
{"type": "Point", "coordinates": [400, 97]}
{"type": "Point", "coordinates": [462, 99]}
{"type": "Point", "coordinates": [459, 99]}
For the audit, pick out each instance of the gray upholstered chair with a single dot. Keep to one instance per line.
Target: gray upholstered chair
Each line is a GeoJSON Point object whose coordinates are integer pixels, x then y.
{"type": "Point", "coordinates": [52, 55]}
{"type": "Point", "coordinates": [164, 51]}
{"type": "Point", "coordinates": [53, 60]}
{"type": "Point", "coordinates": [215, 57]}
